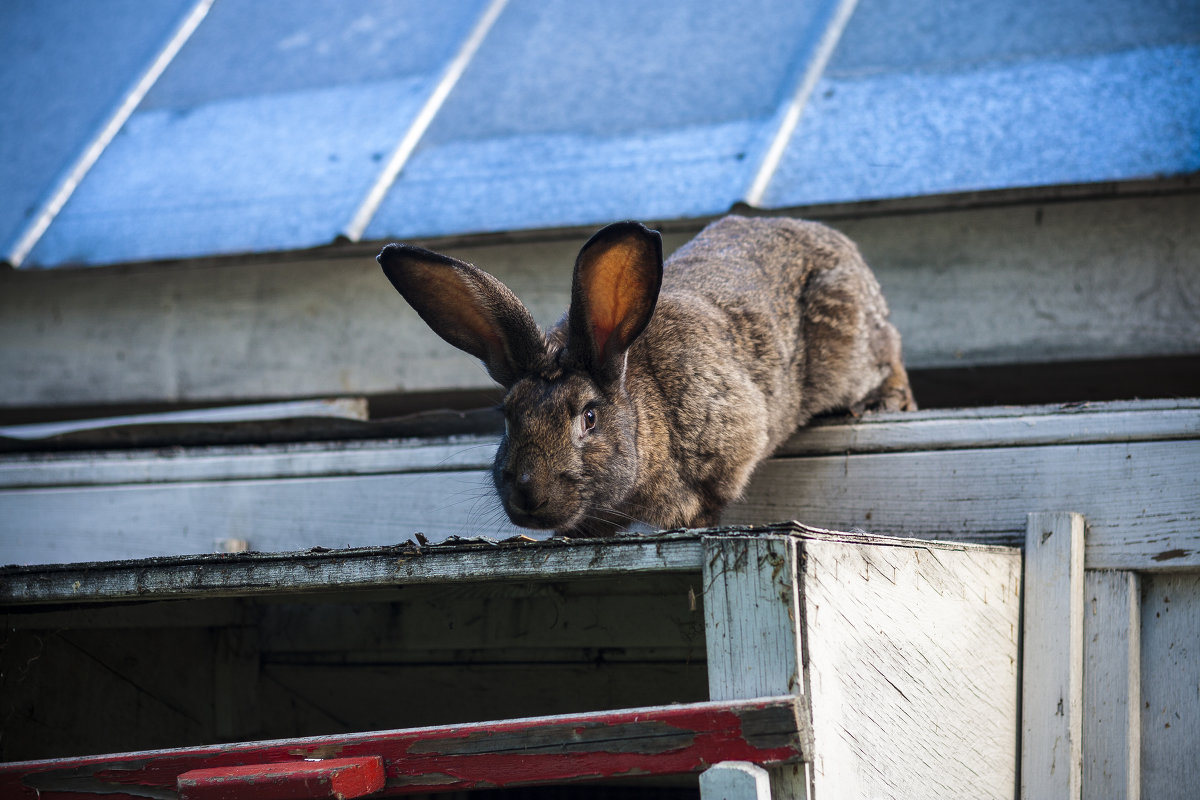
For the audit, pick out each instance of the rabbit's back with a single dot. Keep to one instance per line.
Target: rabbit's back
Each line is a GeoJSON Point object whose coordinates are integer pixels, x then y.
{"type": "Point", "coordinates": [792, 306]}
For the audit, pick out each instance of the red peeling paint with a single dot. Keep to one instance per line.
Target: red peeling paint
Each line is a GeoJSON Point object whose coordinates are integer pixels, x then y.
{"type": "Point", "coordinates": [650, 741]}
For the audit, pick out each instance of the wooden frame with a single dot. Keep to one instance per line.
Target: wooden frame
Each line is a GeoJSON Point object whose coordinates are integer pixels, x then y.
{"type": "Point", "coordinates": [1088, 723]}
{"type": "Point", "coordinates": [855, 633]}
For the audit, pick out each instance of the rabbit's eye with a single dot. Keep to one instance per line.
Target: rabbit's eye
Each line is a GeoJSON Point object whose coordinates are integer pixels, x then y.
{"type": "Point", "coordinates": [589, 419]}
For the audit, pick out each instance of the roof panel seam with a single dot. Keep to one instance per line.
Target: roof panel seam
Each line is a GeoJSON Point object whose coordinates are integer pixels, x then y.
{"type": "Point", "coordinates": [91, 153]}
{"type": "Point", "coordinates": [358, 223]}
{"type": "Point", "coordinates": [813, 68]}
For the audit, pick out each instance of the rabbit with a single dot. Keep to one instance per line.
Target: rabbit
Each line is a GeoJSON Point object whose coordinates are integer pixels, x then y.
{"type": "Point", "coordinates": [665, 385]}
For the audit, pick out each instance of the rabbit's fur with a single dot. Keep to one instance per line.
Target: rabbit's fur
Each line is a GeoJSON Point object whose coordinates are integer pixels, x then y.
{"type": "Point", "coordinates": [656, 405]}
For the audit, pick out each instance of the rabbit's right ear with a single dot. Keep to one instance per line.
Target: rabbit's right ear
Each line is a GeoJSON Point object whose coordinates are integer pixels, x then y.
{"type": "Point", "coordinates": [468, 308]}
{"type": "Point", "coordinates": [617, 277]}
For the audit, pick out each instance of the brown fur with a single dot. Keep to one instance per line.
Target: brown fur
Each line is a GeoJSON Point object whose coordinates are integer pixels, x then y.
{"type": "Point", "coordinates": [759, 325]}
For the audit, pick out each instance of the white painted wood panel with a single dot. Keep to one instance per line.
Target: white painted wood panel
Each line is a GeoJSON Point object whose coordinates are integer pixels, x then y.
{"type": "Point", "coordinates": [1112, 685]}
{"type": "Point", "coordinates": [912, 669]}
{"type": "Point", "coordinates": [1052, 658]}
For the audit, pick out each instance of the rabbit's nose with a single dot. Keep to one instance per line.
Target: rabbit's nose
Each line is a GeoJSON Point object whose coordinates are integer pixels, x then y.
{"type": "Point", "coordinates": [526, 496]}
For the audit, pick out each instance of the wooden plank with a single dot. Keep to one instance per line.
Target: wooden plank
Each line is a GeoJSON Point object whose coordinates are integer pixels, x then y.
{"type": "Point", "coordinates": [1170, 711]}
{"type": "Point", "coordinates": [1006, 426]}
{"type": "Point", "coordinates": [735, 780]}
{"type": "Point", "coordinates": [911, 655]}
{"type": "Point", "coordinates": [1112, 685]}
{"type": "Point", "coordinates": [340, 778]}
{"type": "Point", "coordinates": [666, 740]}
{"type": "Point", "coordinates": [337, 408]}
{"type": "Point", "coordinates": [1139, 498]}
{"type": "Point", "coordinates": [1052, 661]}
{"type": "Point", "coordinates": [263, 573]}
{"type": "Point", "coordinates": [751, 619]}
{"type": "Point", "coordinates": [1009, 426]}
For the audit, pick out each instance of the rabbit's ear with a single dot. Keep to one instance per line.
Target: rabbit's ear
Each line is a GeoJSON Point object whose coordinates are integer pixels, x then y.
{"type": "Point", "coordinates": [617, 278]}
{"type": "Point", "coordinates": [468, 308]}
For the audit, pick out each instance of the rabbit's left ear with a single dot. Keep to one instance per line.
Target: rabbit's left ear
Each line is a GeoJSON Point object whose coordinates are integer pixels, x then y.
{"type": "Point", "coordinates": [617, 277]}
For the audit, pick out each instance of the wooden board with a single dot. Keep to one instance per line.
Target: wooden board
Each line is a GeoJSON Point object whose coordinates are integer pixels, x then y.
{"type": "Point", "coordinates": [1112, 685]}
{"type": "Point", "coordinates": [1139, 498]}
{"type": "Point", "coordinates": [334, 778]}
{"type": "Point", "coordinates": [1170, 685]}
{"type": "Point", "coordinates": [318, 570]}
{"type": "Point", "coordinates": [1052, 658]}
{"type": "Point", "coordinates": [912, 669]}
{"type": "Point", "coordinates": [1132, 468]}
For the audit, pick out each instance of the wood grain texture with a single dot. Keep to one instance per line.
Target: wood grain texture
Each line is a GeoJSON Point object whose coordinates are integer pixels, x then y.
{"type": "Point", "coordinates": [1170, 712]}
{"type": "Point", "coordinates": [912, 664]}
{"type": "Point", "coordinates": [1112, 685]}
{"type": "Point", "coordinates": [1052, 657]}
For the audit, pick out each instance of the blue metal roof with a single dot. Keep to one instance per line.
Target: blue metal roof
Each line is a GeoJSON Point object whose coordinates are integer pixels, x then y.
{"type": "Point", "coordinates": [278, 127]}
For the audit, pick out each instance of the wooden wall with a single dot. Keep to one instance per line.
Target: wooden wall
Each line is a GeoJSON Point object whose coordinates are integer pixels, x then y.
{"type": "Point", "coordinates": [1020, 284]}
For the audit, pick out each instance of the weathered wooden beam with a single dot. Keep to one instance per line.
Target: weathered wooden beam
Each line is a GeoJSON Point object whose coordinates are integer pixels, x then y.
{"type": "Point", "coordinates": [1052, 659]}
{"type": "Point", "coordinates": [241, 574]}
{"type": "Point", "coordinates": [664, 740]}
{"type": "Point", "coordinates": [940, 429]}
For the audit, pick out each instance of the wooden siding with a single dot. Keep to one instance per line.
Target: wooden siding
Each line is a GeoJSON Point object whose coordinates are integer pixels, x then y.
{"type": "Point", "coordinates": [1066, 280]}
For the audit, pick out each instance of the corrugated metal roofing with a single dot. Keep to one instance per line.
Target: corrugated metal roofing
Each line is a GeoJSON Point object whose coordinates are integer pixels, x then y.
{"type": "Point", "coordinates": [280, 126]}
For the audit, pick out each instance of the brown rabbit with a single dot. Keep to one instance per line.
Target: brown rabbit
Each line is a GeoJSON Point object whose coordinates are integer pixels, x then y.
{"type": "Point", "coordinates": [655, 405]}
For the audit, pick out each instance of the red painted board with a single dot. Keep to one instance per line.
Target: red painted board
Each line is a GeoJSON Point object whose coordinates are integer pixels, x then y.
{"type": "Point", "coordinates": [662, 740]}
{"type": "Point", "coordinates": [338, 778]}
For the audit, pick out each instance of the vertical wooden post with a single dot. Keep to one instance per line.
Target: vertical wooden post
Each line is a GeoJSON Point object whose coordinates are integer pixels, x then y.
{"type": "Point", "coordinates": [735, 780]}
{"type": "Point", "coordinates": [1052, 660]}
{"type": "Point", "coordinates": [752, 629]}
{"type": "Point", "coordinates": [1112, 685]}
